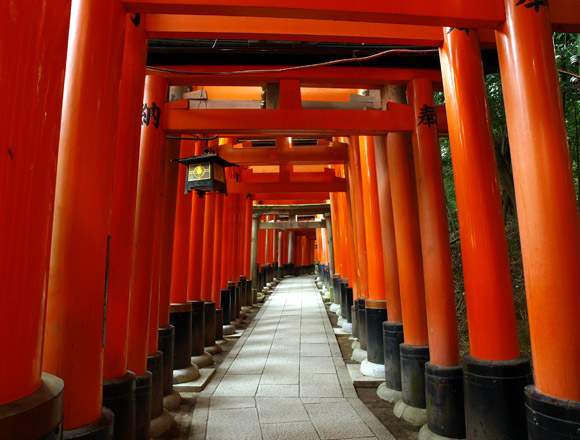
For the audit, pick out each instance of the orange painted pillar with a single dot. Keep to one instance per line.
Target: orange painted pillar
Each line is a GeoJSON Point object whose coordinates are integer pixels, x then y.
{"type": "Point", "coordinates": [181, 235]}
{"type": "Point", "coordinates": [547, 211]}
{"type": "Point", "coordinates": [444, 375]}
{"type": "Point", "coordinates": [393, 295]}
{"type": "Point", "coordinates": [488, 293]}
{"type": "Point", "coordinates": [372, 219]}
{"type": "Point", "coordinates": [207, 247]}
{"type": "Point", "coordinates": [357, 217]}
{"type": "Point", "coordinates": [196, 224]}
{"type": "Point", "coordinates": [248, 238]}
{"type": "Point", "coordinates": [239, 238]}
{"type": "Point", "coordinates": [144, 359]}
{"type": "Point", "coordinates": [414, 352]}
{"type": "Point", "coordinates": [73, 345]}
{"type": "Point", "coordinates": [35, 41]}
{"type": "Point", "coordinates": [227, 234]}
{"type": "Point", "coordinates": [122, 230]}
{"type": "Point", "coordinates": [217, 253]}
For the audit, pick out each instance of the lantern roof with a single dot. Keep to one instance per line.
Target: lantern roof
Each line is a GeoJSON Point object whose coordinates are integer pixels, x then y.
{"type": "Point", "coordinates": [208, 157]}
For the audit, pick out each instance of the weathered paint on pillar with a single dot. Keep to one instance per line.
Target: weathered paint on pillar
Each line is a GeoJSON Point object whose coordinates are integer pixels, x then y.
{"type": "Point", "coordinates": [124, 197]}
{"type": "Point", "coordinates": [545, 195]}
{"type": "Point", "coordinates": [73, 346]}
{"type": "Point", "coordinates": [36, 42]}
{"type": "Point", "coordinates": [149, 180]}
{"type": "Point", "coordinates": [179, 270]}
{"type": "Point", "coordinates": [372, 219]}
{"type": "Point", "coordinates": [488, 293]}
{"type": "Point", "coordinates": [291, 247]}
{"type": "Point", "coordinates": [436, 251]}
{"type": "Point", "coordinates": [407, 232]}
{"type": "Point", "coordinates": [329, 242]}
{"type": "Point", "coordinates": [393, 294]}
{"type": "Point", "coordinates": [254, 249]}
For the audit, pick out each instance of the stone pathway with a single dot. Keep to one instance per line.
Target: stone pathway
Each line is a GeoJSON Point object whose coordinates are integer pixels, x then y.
{"type": "Point", "coordinates": [285, 378]}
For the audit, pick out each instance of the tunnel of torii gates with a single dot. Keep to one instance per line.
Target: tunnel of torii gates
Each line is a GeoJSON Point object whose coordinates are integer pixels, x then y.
{"type": "Point", "coordinates": [116, 284]}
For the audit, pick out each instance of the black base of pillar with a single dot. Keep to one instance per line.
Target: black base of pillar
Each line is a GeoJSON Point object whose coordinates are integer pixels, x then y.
{"type": "Point", "coordinates": [494, 398]}
{"type": "Point", "coordinates": [349, 304]}
{"type": "Point", "coordinates": [413, 359]}
{"type": "Point", "coordinates": [180, 319]}
{"type": "Point", "coordinates": [243, 291]}
{"type": "Point", "coordinates": [444, 395]}
{"type": "Point", "coordinates": [237, 306]}
{"type": "Point", "coordinates": [143, 406]}
{"type": "Point", "coordinates": [197, 328]}
{"type": "Point", "coordinates": [226, 297]}
{"type": "Point", "coordinates": [219, 324]}
{"type": "Point", "coordinates": [233, 301]}
{"type": "Point", "coordinates": [165, 346]}
{"type": "Point", "coordinates": [155, 367]}
{"type": "Point", "coordinates": [249, 296]}
{"type": "Point", "coordinates": [102, 429]}
{"type": "Point", "coordinates": [551, 418]}
{"type": "Point", "coordinates": [354, 320]}
{"type": "Point", "coordinates": [119, 397]}
{"type": "Point", "coordinates": [392, 339]}
{"type": "Point", "coordinates": [37, 415]}
{"type": "Point", "coordinates": [209, 324]}
{"type": "Point", "coordinates": [343, 298]}
{"type": "Point", "coordinates": [376, 314]}
{"type": "Point", "coordinates": [336, 294]}
{"type": "Point", "coordinates": [362, 323]}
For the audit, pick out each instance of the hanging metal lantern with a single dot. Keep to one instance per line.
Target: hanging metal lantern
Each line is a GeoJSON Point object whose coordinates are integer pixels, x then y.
{"type": "Point", "coordinates": [206, 173]}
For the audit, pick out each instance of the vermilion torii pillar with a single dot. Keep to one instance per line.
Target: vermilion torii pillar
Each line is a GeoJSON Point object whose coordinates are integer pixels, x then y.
{"type": "Point", "coordinates": [74, 333]}
{"type": "Point", "coordinates": [217, 265]}
{"type": "Point", "coordinates": [414, 351]}
{"type": "Point", "coordinates": [34, 40]}
{"type": "Point", "coordinates": [443, 374]}
{"type": "Point", "coordinates": [119, 384]}
{"type": "Point", "coordinates": [145, 362]}
{"type": "Point", "coordinates": [493, 368]}
{"type": "Point", "coordinates": [376, 310]}
{"type": "Point", "coordinates": [547, 216]}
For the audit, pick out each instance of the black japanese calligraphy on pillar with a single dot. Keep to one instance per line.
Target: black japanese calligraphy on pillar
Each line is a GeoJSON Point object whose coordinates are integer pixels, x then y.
{"type": "Point", "coordinates": [533, 4]}
{"type": "Point", "coordinates": [151, 114]}
{"type": "Point", "coordinates": [427, 116]}
{"type": "Point", "coordinates": [466, 30]}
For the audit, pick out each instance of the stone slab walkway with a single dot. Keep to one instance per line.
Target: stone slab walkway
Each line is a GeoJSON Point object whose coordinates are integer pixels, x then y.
{"type": "Point", "coordinates": [285, 378]}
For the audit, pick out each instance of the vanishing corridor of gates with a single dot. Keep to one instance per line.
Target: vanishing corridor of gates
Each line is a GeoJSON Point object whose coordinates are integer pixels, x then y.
{"type": "Point", "coordinates": [170, 167]}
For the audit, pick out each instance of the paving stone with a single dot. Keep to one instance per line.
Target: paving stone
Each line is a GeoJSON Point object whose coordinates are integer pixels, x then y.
{"type": "Point", "coordinates": [241, 423]}
{"type": "Point", "coordinates": [320, 385]}
{"type": "Point", "coordinates": [278, 410]}
{"type": "Point", "coordinates": [266, 390]}
{"type": "Point", "coordinates": [231, 402]}
{"type": "Point", "coordinates": [316, 365]}
{"type": "Point", "coordinates": [289, 431]}
{"type": "Point", "coordinates": [238, 385]}
{"type": "Point", "coordinates": [337, 420]}
{"type": "Point", "coordinates": [314, 350]}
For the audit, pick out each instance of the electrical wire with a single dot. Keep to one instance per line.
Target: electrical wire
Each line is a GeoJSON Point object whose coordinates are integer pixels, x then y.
{"type": "Point", "coordinates": [569, 73]}
{"type": "Point", "coordinates": [287, 69]}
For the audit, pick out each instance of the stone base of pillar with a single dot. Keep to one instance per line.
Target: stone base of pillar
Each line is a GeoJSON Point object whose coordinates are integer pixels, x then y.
{"type": "Point", "coordinates": [494, 398]}
{"type": "Point", "coordinates": [355, 344]}
{"type": "Point", "coordinates": [334, 307]}
{"type": "Point", "coordinates": [119, 397]}
{"type": "Point", "coordinates": [229, 329]}
{"type": "Point", "coordinates": [445, 404]}
{"type": "Point", "coordinates": [155, 367]}
{"type": "Point", "coordinates": [180, 319]}
{"type": "Point", "coordinates": [160, 424]}
{"type": "Point", "coordinates": [391, 396]}
{"type": "Point", "coordinates": [197, 327]}
{"type": "Point", "coordinates": [184, 375]}
{"type": "Point", "coordinates": [413, 359]}
{"type": "Point", "coordinates": [219, 325]}
{"type": "Point", "coordinates": [359, 355]}
{"type": "Point", "coordinates": [392, 339]}
{"type": "Point", "coordinates": [340, 321]}
{"type": "Point", "coordinates": [202, 360]}
{"type": "Point", "coordinates": [36, 415]}
{"type": "Point", "coordinates": [376, 314]}
{"type": "Point", "coordinates": [412, 415]}
{"type": "Point", "coordinates": [165, 345]}
{"type": "Point", "coordinates": [143, 406]}
{"type": "Point", "coordinates": [347, 327]}
{"type": "Point", "coordinates": [214, 349]}
{"type": "Point", "coordinates": [171, 402]}
{"type": "Point", "coordinates": [426, 434]}
{"type": "Point", "coordinates": [551, 418]}
{"type": "Point", "coordinates": [102, 429]}
{"type": "Point", "coordinates": [368, 368]}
